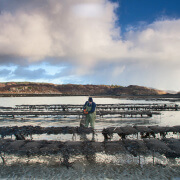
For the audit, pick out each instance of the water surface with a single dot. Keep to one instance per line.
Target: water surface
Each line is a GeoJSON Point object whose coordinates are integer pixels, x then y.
{"type": "Point", "coordinates": [105, 166]}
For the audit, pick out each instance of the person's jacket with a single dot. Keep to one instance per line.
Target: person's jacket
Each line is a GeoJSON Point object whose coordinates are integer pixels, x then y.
{"type": "Point", "coordinates": [88, 104]}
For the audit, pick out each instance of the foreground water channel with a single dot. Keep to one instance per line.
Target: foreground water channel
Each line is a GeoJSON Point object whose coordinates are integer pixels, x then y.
{"type": "Point", "coordinates": [115, 166]}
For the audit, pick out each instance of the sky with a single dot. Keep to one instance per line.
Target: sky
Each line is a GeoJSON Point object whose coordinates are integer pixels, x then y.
{"type": "Point", "coordinates": [113, 42]}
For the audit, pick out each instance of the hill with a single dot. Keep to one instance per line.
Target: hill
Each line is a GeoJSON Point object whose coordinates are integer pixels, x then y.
{"type": "Point", "coordinates": [74, 89]}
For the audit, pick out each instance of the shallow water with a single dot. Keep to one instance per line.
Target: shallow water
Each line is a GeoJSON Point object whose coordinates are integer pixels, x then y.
{"type": "Point", "coordinates": [104, 166]}
{"type": "Point", "coordinates": [166, 118]}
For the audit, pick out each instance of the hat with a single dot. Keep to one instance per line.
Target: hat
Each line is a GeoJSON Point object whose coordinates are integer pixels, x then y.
{"type": "Point", "coordinates": [90, 99]}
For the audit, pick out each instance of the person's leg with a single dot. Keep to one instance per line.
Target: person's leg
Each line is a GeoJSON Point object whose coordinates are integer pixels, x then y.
{"type": "Point", "coordinates": [92, 120]}
{"type": "Point", "coordinates": [87, 120]}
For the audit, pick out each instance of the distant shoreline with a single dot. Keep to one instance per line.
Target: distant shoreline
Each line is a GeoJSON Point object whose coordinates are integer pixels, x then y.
{"type": "Point", "coordinates": [29, 89]}
{"type": "Point", "coordinates": [114, 96]}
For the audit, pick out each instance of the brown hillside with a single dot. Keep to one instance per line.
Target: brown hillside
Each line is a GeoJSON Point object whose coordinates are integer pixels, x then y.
{"type": "Point", "coordinates": [73, 89]}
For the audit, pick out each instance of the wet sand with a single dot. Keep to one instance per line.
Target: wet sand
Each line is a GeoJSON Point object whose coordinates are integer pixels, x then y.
{"type": "Point", "coordinates": [83, 171]}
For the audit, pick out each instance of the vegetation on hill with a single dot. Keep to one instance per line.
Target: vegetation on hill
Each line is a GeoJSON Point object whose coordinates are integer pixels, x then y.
{"type": "Point", "coordinates": [74, 89]}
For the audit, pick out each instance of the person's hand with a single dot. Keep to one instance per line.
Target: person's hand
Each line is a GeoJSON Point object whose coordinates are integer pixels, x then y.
{"type": "Point", "coordinates": [85, 112]}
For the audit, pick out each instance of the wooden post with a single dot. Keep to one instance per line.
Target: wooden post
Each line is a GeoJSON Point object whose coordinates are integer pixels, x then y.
{"type": "Point", "coordinates": [66, 159]}
{"type": "Point", "coordinates": [139, 160]}
{"type": "Point", "coordinates": [153, 157]}
{"type": "Point", "coordinates": [3, 159]}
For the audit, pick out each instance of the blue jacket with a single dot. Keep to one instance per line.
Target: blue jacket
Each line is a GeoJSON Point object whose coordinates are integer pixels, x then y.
{"type": "Point", "coordinates": [88, 104]}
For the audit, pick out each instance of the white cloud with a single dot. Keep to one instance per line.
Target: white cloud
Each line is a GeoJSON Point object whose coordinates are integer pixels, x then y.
{"type": "Point", "coordinates": [58, 28]}
{"type": "Point", "coordinates": [88, 10]}
{"type": "Point", "coordinates": [24, 35]}
{"type": "Point", "coordinates": [82, 32]}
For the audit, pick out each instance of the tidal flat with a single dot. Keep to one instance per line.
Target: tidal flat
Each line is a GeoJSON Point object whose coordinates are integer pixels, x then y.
{"type": "Point", "coordinates": [102, 166]}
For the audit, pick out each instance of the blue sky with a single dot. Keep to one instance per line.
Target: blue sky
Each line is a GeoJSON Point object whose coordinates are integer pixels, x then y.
{"type": "Point", "coordinates": [133, 12]}
{"type": "Point", "coordinates": [121, 42]}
